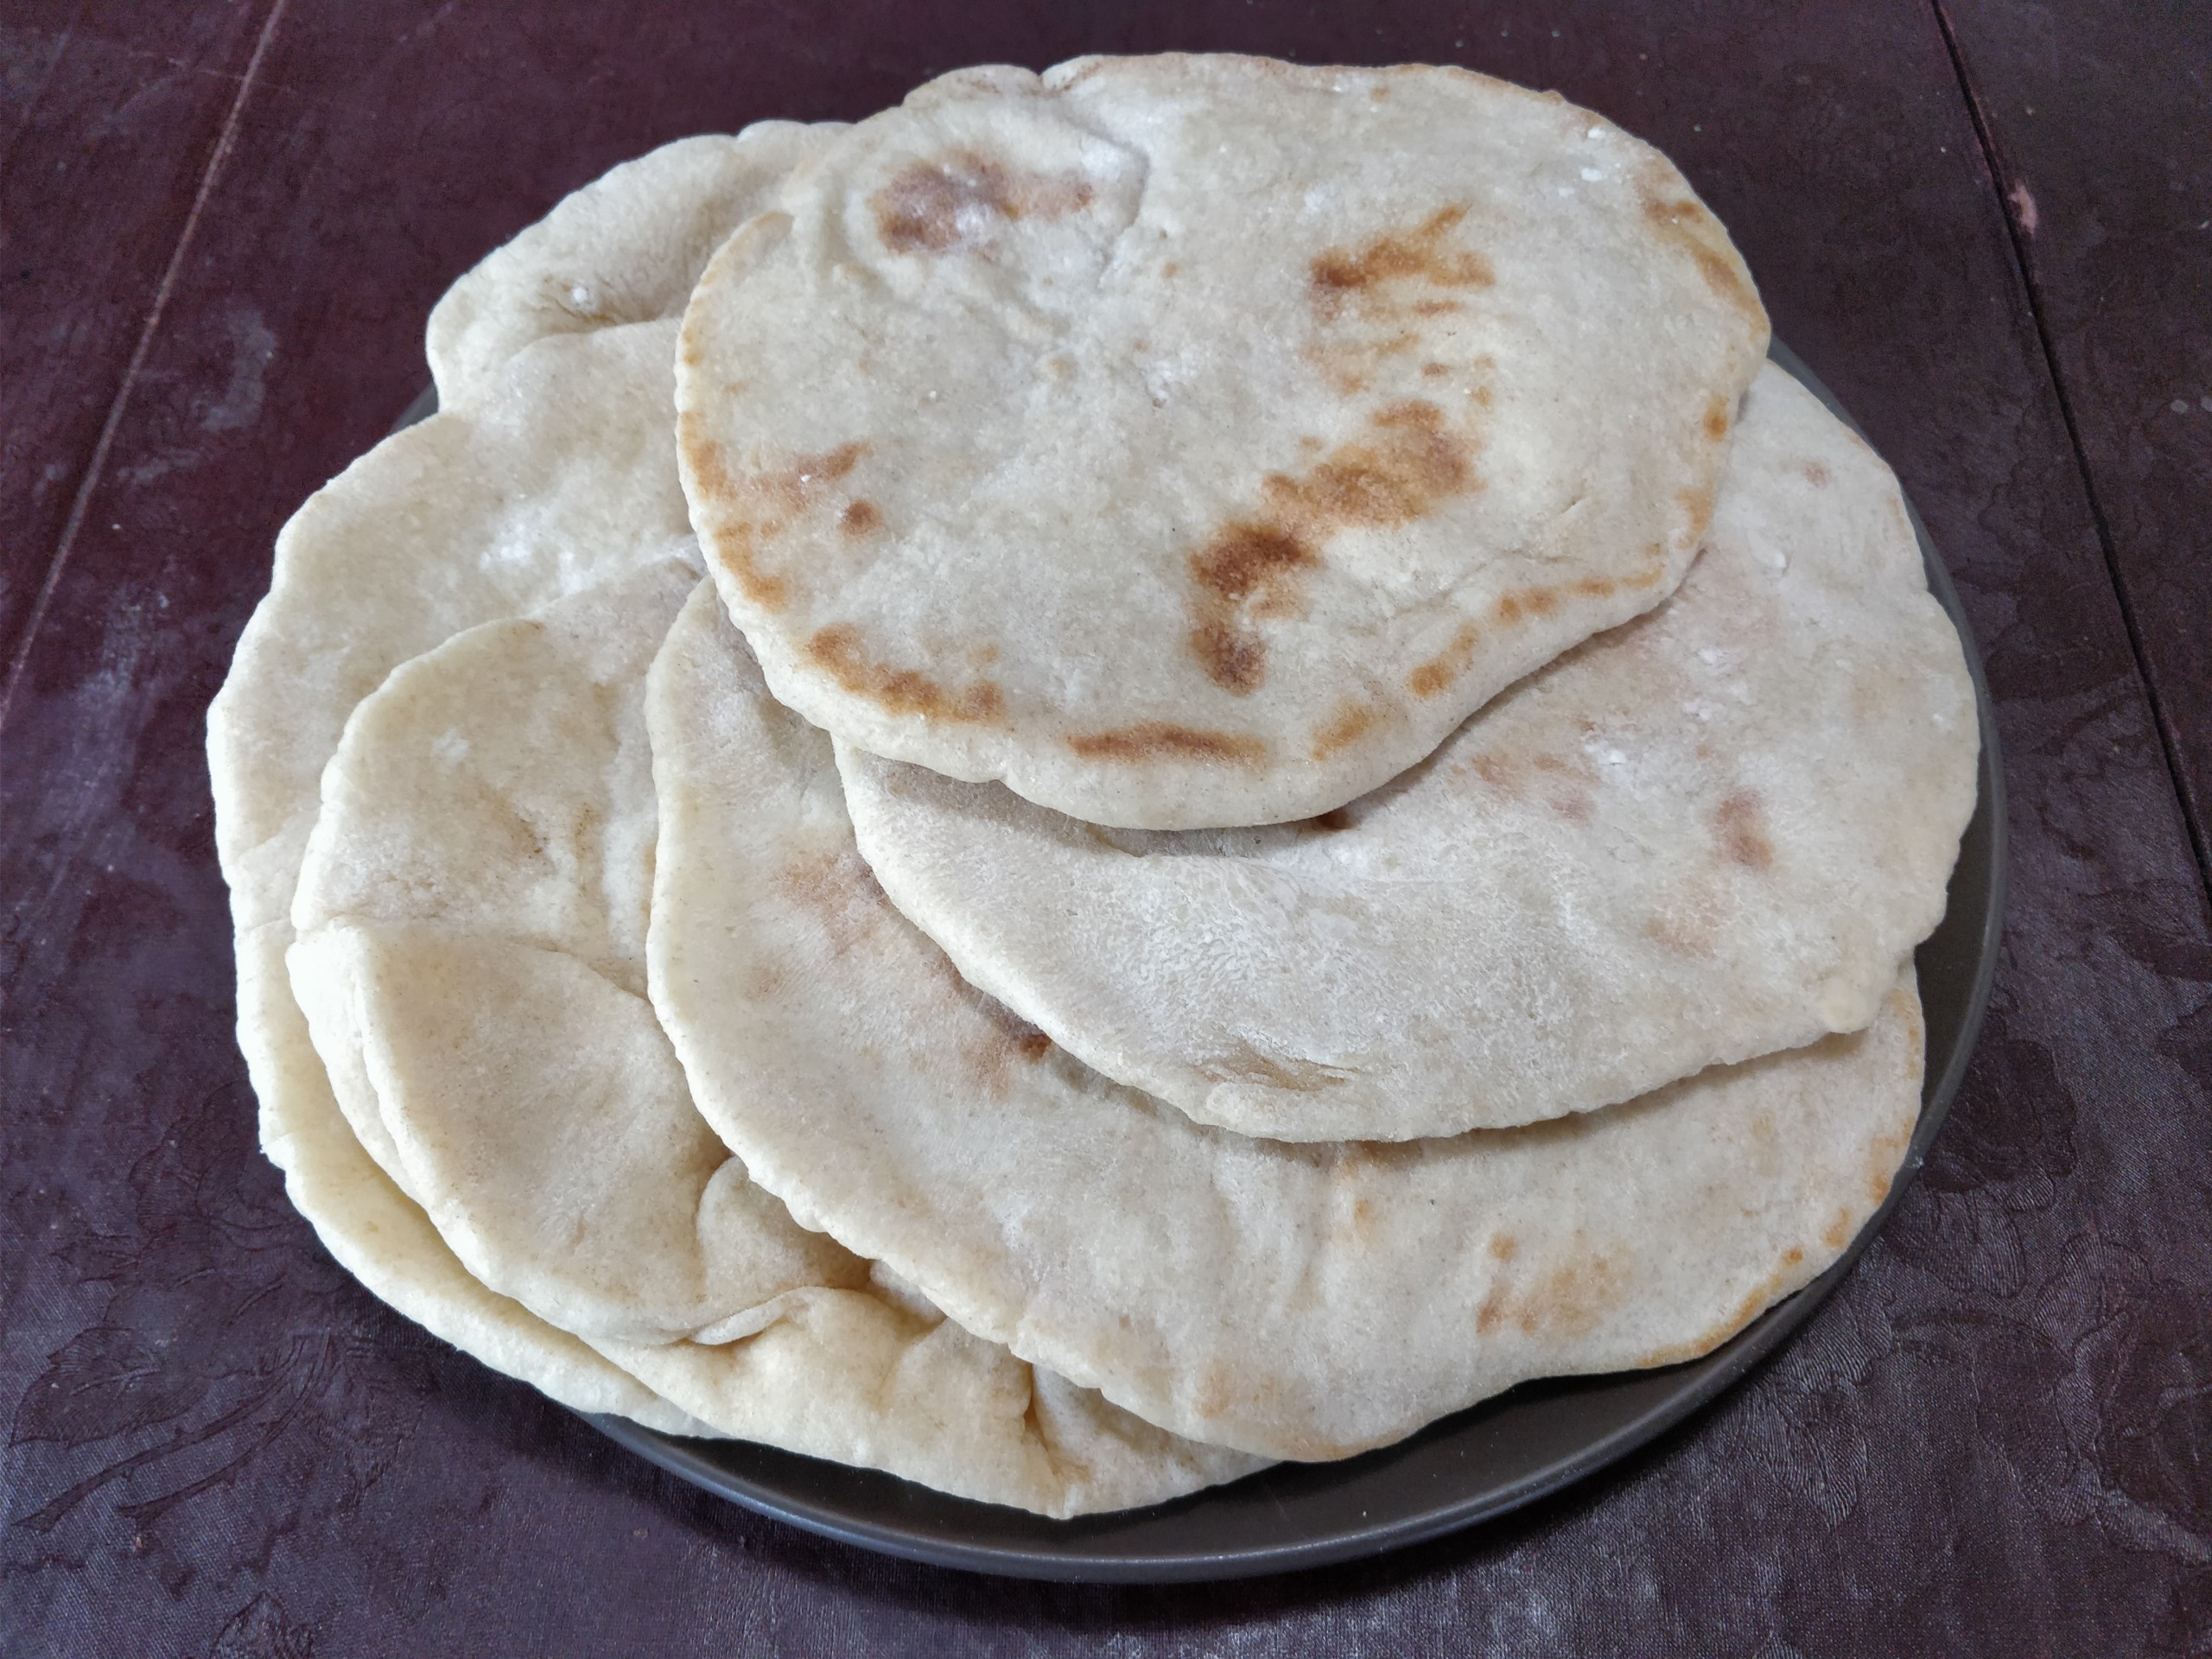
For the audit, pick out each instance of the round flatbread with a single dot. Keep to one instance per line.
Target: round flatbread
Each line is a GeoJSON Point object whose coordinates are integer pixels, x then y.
{"type": "Point", "coordinates": [472, 921]}
{"type": "Point", "coordinates": [626, 248]}
{"type": "Point", "coordinates": [442, 526]}
{"type": "Point", "coordinates": [1706, 836]}
{"type": "Point", "coordinates": [445, 525]}
{"type": "Point", "coordinates": [1296, 1301]}
{"type": "Point", "coordinates": [1189, 441]}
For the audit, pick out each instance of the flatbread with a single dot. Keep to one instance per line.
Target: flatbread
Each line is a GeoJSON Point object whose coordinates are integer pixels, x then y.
{"type": "Point", "coordinates": [1701, 838]}
{"type": "Point", "coordinates": [1295, 1301]}
{"type": "Point", "coordinates": [450, 523]}
{"type": "Point", "coordinates": [626, 248]}
{"type": "Point", "coordinates": [472, 918]}
{"type": "Point", "coordinates": [1190, 442]}
{"type": "Point", "coordinates": [380, 1236]}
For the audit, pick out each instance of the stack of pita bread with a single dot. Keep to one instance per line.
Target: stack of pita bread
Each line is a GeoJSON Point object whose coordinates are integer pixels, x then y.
{"type": "Point", "coordinates": [1123, 773]}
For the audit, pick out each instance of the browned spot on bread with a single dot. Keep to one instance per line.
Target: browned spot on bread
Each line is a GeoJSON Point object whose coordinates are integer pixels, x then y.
{"type": "Point", "coordinates": [1351, 721]}
{"type": "Point", "coordinates": [1817, 475]}
{"type": "Point", "coordinates": [1570, 1299]}
{"type": "Point", "coordinates": [1439, 671]}
{"type": "Point", "coordinates": [746, 510]}
{"type": "Point", "coordinates": [1596, 587]}
{"type": "Point", "coordinates": [1739, 824]}
{"type": "Point", "coordinates": [1885, 1155]}
{"type": "Point", "coordinates": [1505, 1245]}
{"type": "Point", "coordinates": [1837, 1234]}
{"type": "Point", "coordinates": [1170, 268]}
{"type": "Point", "coordinates": [1434, 371]}
{"type": "Point", "coordinates": [1379, 300]}
{"type": "Point", "coordinates": [1010, 1039]}
{"type": "Point", "coordinates": [1492, 1313]}
{"type": "Point", "coordinates": [1716, 418]}
{"type": "Point", "coordinates": [1156, 739]}
{"type": "Point", "coordinates": [839, 890]}
{"type": "Point", "coordinates": [1354, 1223]}
{"type": "Point", "coordinates": [1252, 568]}
{"type": "Point", "coordinates": [1496, 773]}
{"type": "Point", "coordinates": [1697, 505]}
{"type": "Point", "coordinates": [1654, 568]}
{"type": "Point", "coordinates": [1413, 464]}
{"type": "Point", "coordinates": [1687, 226]}
{"type": "Point", "coordinates": [859, 517]}
{"type": "Point", "coordinates": [1421, 254]}
{"type": "Point", "coordinates": [933, 207]}
{"type": "Point", "coordinates": [838, 650]}
{"type": "Point", "coordinates": [1248, 561]}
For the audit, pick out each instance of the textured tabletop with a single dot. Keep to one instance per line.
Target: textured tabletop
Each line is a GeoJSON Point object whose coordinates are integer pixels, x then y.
{"type": "Point", "coordinates": [1984, 225]}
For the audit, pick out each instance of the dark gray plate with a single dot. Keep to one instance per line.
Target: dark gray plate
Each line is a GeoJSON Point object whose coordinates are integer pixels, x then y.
{"type": "Point", "coordinates": [1483, 1462]}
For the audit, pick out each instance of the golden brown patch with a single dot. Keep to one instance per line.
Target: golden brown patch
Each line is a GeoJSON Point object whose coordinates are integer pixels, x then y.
{"type": "Point", "coordinates": [1739, 824]}
{"type": "Point", "coordinates": [1010, 1039]}
{"type": "Point", "coordinates": [1696, 232]}
{"type": "Point", "coordinates": [1247, 570]}
{"type": "Point", "coordinates": [839, 890]}
{"type": "Point", "coordinates": [1505, 1245]}
{"type": "Point", "coordinates": [1596, 587]}
{"type": "Point", "coordinates": [1448, 665]}
{"type": "Point", "coordinates": [1352, 1222]}
{"type": "Point", "coordinates": [1170, 268]}
{"type": "Point", "coordinates": [1419, 255]}
{"type": "Point", "coordinates": [748, 509]}
{"type": "Point", "coordinates": [839, 651]}
{"type": "Point", "coordinates": [1379, 301]}
{"type": "Point", "coordinates": [1497, 773]}
{"type": "Point", "coordinates": [1155, 739]}
{"type": "Point", "coordinates": [1434, 371]}
{"type": "Point", "coordinates": [1817, 475]}
{"type": "Point", "coordinates": [1837, 1234]}
{"type": "Point", "coordinates": [1654, 569]}
{"type": "Point", "coordinates": [1351, 721]}
{"type": "Point", "coordinates": [1491, 1313]}
{"type": "Point", "coordinates": [1570, 1299]}
{"type": "Point", "coordinates": [1716, 418]}
{"type": "Point", "coordinates": [1252, 568]}
{"type": "Point", "coordinates": [859, 517]}
{"type": "Point", "coordinates": [1698, 504]}
{"type": "Point", "coordinates": [933, 207]}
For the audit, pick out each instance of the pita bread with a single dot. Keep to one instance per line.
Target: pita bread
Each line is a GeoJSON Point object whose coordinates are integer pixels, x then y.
{"type": "Point", "coordinates": [381, 1237]}
{"type": "Point", "coordinates": [626, 248]}
{"type": "Point", "coordinates": [1295, 1301]}
{"type": "Point", "coordinates": [1190, 442]}
{"type": "Point", "coordinates": [471, 918]}
{"type": "Point", "coordinates": [1704, 836]}
{"type": "Point", "coordinates": [446, 525]}
{"type": "Point", "coordinates": [472, 906]}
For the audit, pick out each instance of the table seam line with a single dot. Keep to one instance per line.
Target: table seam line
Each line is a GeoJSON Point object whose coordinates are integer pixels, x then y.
{"type": "Point", "coordinates": [2193, 829]}
{"type": "Point", "coordinates": [95, 468]}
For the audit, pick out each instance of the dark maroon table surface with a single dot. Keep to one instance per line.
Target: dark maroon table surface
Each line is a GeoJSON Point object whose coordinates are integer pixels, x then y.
{"type": "Point", "coordinates": [1988, 226]}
